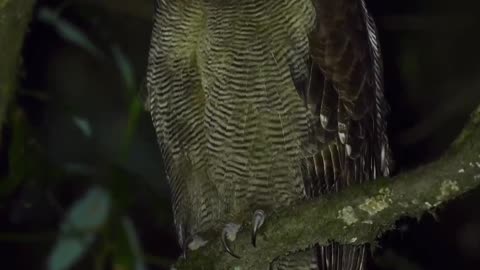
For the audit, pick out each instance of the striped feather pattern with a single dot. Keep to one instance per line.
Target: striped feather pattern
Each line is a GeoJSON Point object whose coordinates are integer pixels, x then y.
{"type": "Point", "coordinates": [255, 120]}
{"type": "Point", "coordinates": [334, 256]}
{"type": "Point", "coordinates": [262, 103]}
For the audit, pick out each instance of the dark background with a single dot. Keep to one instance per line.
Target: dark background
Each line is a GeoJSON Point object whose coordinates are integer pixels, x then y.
{"type": "Point", "coordinates": [77, 122]}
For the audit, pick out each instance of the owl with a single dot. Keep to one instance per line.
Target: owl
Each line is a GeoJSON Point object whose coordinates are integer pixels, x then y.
{"type": "Point", "coordinates": [261, 104]}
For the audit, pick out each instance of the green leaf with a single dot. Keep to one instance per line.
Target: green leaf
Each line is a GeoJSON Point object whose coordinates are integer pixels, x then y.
{"type": "Point", "coordinates": [68, 250]}
{"type": "Point", "coordinates": [83, 125]}
{"type": "Point", "coordinates": [134, 243]}
{"type": "Point", "coordinates": [125, 67]}
{"type": "Point", "coordinates": [78, 230]}
{"type": "Point", "coordinates": [90, 212]}
{"type": "Point", "coordinates": [134, 113]}
{"type": "Point", "coordinates": [19, 156]}
{"type": "Point", "coordinates": [127, 253]}
{"type": "Point", "coordinates": [68, 31]}
{"type": "Point", "coordinates": [14, 18]}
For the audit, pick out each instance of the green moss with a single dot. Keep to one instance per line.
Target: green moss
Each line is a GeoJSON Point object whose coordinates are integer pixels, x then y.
{"type": "Point", "coordinates": [446, 189]}
{"type": "Point", "coordinates": [378, 203]}
{"type": "Point", "coordinates": [347, 214]}
{"type": "Point", "coordinates": [3, 3]}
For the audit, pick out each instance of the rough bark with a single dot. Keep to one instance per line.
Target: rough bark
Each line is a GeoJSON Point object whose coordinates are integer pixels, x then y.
{"type": "Point", "coordinates": [14, 18]}
{"type": "Point", "coordinates": [357, 215]}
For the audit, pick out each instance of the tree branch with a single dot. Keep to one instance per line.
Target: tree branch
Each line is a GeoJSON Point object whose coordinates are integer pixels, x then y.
{"type": "Point", "coordinates": [14, 18]}
{"type": "Point", "coordinates": [356, 215]}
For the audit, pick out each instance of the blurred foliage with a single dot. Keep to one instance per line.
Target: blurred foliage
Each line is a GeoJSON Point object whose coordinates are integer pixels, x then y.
{"type": "Point", "coordinates": [79, 228]}
{"type": "Point", "coordinates": [14, 17]}
{"type": "Point", "coordinates": [68, 31]}
{"type": "Point", "coordinates": [77, 126]}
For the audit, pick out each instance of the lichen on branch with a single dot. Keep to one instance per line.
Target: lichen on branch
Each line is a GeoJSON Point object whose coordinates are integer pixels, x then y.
{"type": "Point", "coordinates": [359, 214]}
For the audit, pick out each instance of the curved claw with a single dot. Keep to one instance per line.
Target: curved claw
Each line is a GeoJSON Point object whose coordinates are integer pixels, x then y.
{"type": "Point", "coordinates": [258, 220]}
{"type": "Point", "coordinates": [183, 239]}
{"type": "Point", "coordinates": [225, 244]}
{"type": "Point", "coordinates": [184, 246]}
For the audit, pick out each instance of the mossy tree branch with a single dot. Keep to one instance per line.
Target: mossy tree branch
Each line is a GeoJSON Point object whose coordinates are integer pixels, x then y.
{"type": "Point", "coordinates": [14, 18]}
{"type": "Point", "coordinates": [357, 215]}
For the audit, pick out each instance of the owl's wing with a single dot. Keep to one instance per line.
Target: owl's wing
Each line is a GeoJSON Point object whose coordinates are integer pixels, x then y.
{"type": "Point", "coordinates": [344, 89]}
{"type": "Point", "coordinates": [175, 101]}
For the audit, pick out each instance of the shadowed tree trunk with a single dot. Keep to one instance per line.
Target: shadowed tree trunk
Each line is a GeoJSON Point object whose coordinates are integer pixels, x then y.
{"type": "Point", "coordinates": [14, 18]}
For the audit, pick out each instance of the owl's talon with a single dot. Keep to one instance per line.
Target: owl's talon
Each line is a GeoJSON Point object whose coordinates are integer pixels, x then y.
{"type": "Point", "coordinates": [258, 220]}
{"type": "Point", "coordinates": [196, 242]}
{"type": "Point", "coordinates": [184, 246]}
{"type": "Point", "coordinates": [229, 233]}
{"type": "Point", "coordinates": [226, 246]}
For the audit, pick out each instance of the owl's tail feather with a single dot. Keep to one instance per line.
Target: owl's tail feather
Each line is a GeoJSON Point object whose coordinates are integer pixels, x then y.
{"type": "Point", "coordinates": [331, 257]}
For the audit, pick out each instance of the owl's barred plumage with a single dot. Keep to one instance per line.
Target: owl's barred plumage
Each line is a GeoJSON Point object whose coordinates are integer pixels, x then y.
{"type": "Point", "coordinates": [259, 104]}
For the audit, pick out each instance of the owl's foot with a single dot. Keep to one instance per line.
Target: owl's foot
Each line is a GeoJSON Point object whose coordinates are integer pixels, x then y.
{"type": "Point", "coordinates": [192, 243]}
{"type": "Point", "coordinates": [229, 234]}
{"type": "Point", "coordinates": [230, 231]}
{"type": "Point", "coordinates": [197, 242]}
{"type": "Point", "coordinates": [184, 246]}
{"type": "Point", "coordinates": [257, 222]}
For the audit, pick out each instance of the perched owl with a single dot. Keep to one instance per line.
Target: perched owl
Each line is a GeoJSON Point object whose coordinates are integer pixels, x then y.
{"type": "Point", "coordinates": [259, 104]}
